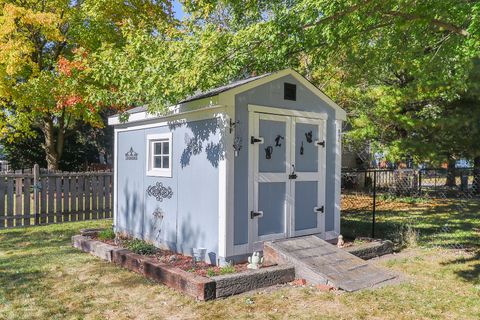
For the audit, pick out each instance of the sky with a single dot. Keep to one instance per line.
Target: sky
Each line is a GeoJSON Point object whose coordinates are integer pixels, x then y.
{"type": "Point", "coordinates": [177, 8]}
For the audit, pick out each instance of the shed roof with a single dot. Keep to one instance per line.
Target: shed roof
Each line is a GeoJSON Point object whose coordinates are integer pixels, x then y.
{"type": "Point", "coordinates": [236, 86]}
{"type": "Point", "coordinates": [209, 93]}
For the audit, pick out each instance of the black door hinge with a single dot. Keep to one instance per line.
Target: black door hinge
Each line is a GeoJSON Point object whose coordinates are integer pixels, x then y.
{"type": "Point", "coordinates": [321, 143]}
{"type": "Point", "coordinates": [320, 209]}
{"type": "Point", "coordinates": [253, 140]}
{"type": "Point", "coordinates": [254, 214]}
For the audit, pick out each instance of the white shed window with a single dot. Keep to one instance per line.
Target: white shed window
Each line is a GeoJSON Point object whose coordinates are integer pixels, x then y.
{"type": "Point", "coordinates": [159, 155]}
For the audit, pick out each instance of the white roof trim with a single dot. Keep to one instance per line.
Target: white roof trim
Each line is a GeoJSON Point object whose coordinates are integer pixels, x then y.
{"type": "Point", "coordinates": [142, 116]}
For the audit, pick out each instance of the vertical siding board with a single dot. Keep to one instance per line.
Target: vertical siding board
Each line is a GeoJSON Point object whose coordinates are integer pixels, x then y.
{"type": "Point", "coordinates": [51, 199]}
{"type": "Point", "coordinates": [9, 214]}
{"type": "Point", "coordinates": [88, 198]}
{"type": "Point", "coordinates": [26, 201]}
{"type": "Point", "coordinates": [2, 202]}
{"type": "Point", "coordinates": [80, 192]}
{"type": "Point", "coordinates": [73, 197]}
{"type": "Point", "coordinates": [43, 200]}
{"type": "Point", "coordinates": [18, 201]}
{"type": "Point", "coordinates": [58, 199]}
{"type": "Point", "coordinates": [66, 198]}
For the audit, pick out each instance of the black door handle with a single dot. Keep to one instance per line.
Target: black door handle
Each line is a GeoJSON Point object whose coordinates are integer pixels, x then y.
{"type": "Point", "coordinates": [292, 175]}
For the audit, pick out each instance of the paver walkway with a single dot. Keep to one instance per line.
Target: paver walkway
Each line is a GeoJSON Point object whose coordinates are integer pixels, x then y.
{"type": "Point", "coordinates": [320, 262]}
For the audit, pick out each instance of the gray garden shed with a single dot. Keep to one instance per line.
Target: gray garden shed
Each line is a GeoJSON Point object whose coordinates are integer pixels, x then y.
{"type": "Point", "coordinates": [225, 170]}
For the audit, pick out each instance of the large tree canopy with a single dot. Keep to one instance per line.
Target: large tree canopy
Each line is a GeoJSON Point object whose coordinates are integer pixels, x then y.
{"type": "Point", "coordinates": [45, 49]}
{"type": "Point", "coordinates": [394, 65]}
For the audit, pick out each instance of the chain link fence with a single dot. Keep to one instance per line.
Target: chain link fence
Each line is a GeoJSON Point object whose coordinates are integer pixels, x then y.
{"type": "Point", "coordinates": [405, 205]}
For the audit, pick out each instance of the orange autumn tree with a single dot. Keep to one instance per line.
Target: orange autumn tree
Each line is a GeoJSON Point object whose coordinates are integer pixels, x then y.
{"type": "Point", "coordinates": [45, 50]}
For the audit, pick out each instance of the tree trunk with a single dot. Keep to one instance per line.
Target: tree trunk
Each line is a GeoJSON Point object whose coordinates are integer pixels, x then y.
{"type": "Point", "coordinates": [476, 175]}
{"type": "Point", "coordinates": [53, 145]}
{"type": "Point", "coordinates": [451, 173]}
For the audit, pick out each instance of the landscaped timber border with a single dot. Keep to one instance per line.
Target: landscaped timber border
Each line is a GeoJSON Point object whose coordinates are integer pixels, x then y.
{"type": "Point", "coordinates": [370, 250]}
{"type": "Point", "coordinates": [198, 287]}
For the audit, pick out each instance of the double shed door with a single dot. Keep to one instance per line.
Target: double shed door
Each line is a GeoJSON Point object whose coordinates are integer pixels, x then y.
{"type": "Point", "coordinates": [289, 176]}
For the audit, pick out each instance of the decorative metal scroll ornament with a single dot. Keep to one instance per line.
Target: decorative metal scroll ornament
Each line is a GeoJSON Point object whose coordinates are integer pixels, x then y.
{"type": "Point", "coordinates": [131, 155]}
{"type": "Point", "coordinates": [158, 213]}
{"type": "Point", "coordinates": [309, 136]}
{"type": "Point", "coordinates": [278, 140]}
{"type": "Point", "coordinates": [159, 191]}
{"type": "Point", "coordinates": [237, 145]}
{"type": "Point", "coordinates": [268, 152]}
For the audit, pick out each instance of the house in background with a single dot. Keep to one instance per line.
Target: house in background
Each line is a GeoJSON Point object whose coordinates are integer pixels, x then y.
{"type": "Point", "coordinates": [4, 163]}
{"type": "Point", "coordinates": [4, 166]}
{"type": "Point", "coordinates": [225, 170]}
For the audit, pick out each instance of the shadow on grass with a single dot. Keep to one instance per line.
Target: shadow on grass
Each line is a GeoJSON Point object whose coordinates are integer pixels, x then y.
{"type": "Point", "coordinates": [472, 274]}
{"type": "Point", "coordinates": [442, 223]}
{"type": "Point", "coordinates": [33, 259]}
{"type": "Point", "coordinates": [29, 256]}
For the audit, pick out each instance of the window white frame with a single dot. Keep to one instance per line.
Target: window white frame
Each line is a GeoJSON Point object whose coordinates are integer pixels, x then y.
{"type": "Point", "coordinates": [158, 172]}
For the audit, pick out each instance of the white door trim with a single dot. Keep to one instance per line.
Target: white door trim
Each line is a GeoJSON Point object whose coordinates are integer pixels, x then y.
{"type": "Point", "coordinates": [290, 117]}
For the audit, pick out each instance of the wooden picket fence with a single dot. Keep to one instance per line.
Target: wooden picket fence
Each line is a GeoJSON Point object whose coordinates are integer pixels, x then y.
{"type": "Point", "coordinates": [39, 197]}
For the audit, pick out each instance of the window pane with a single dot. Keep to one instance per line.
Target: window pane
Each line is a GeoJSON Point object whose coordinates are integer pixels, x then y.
{"type": "Point", "coordinates": [157, 162]}
{"type": "Point", "coordinates": [157, 147]}
{"type": "Point", "coordinates": [165, 147]}
{"type": "Point", "coordinates": [165, 162]}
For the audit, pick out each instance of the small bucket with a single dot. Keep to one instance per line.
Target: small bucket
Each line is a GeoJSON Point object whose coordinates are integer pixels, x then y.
{"type": "Point", "coordinates": [199, 254]}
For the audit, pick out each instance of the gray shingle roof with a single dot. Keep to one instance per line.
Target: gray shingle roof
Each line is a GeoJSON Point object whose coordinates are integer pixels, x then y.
{"type": "Point", "coordinates": [209, 93]}
{"type": "Point", "coordinates": [137, 109]}
{"type": "Point", "coordinates": [215, 91]}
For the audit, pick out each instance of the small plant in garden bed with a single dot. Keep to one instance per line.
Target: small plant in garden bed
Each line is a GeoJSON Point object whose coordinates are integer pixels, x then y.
{"type": "Point", "coordinates": [106, 234]}
{"type": "Point", "coordinates": [140, 247]}
{"type": "Point", "coordinates": [227, 269]}
{"type": "Point", "coordinates": [206, 270]}
{"type": "Point", "coordinates": [211, 272]}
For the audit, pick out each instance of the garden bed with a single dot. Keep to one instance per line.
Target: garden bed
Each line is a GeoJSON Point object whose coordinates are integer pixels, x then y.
{"type": "Point", "coordinates": [201, 281]}
{"type": "Point", "coordinates": [368, 248]}
{"type": "Point", "coordinates": [176, 260]}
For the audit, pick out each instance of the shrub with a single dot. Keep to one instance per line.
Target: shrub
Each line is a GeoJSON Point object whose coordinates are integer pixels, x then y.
{"type": "Point", "coordinates": [410, 236]}
{"type": "Point", "coordinates": [404, 236]}
{"type": "Point", "coordinates": [227, 269]}
{"type": "Point", "coordinates": [106, 234]}
{"type": "Point", "coordinates": [140, 247]}
{"type": "Point", "coordinates": [211, 272]}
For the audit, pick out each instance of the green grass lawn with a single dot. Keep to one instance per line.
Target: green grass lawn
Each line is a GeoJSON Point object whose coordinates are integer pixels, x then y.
{"type": "Point", "coordinates": [446, 223]}
{"type": "Point", "coordinates": [43, 277]}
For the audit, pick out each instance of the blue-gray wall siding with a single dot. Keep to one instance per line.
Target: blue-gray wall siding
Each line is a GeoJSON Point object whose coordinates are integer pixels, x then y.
{"type": "Point", "coordinates": [190, 217]}
{"type": "Point", "coordinates": [271, 95]}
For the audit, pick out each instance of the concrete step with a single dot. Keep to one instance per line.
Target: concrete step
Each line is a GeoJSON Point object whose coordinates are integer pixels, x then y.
{"type": "Point", "coordinates": [320, 262]}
